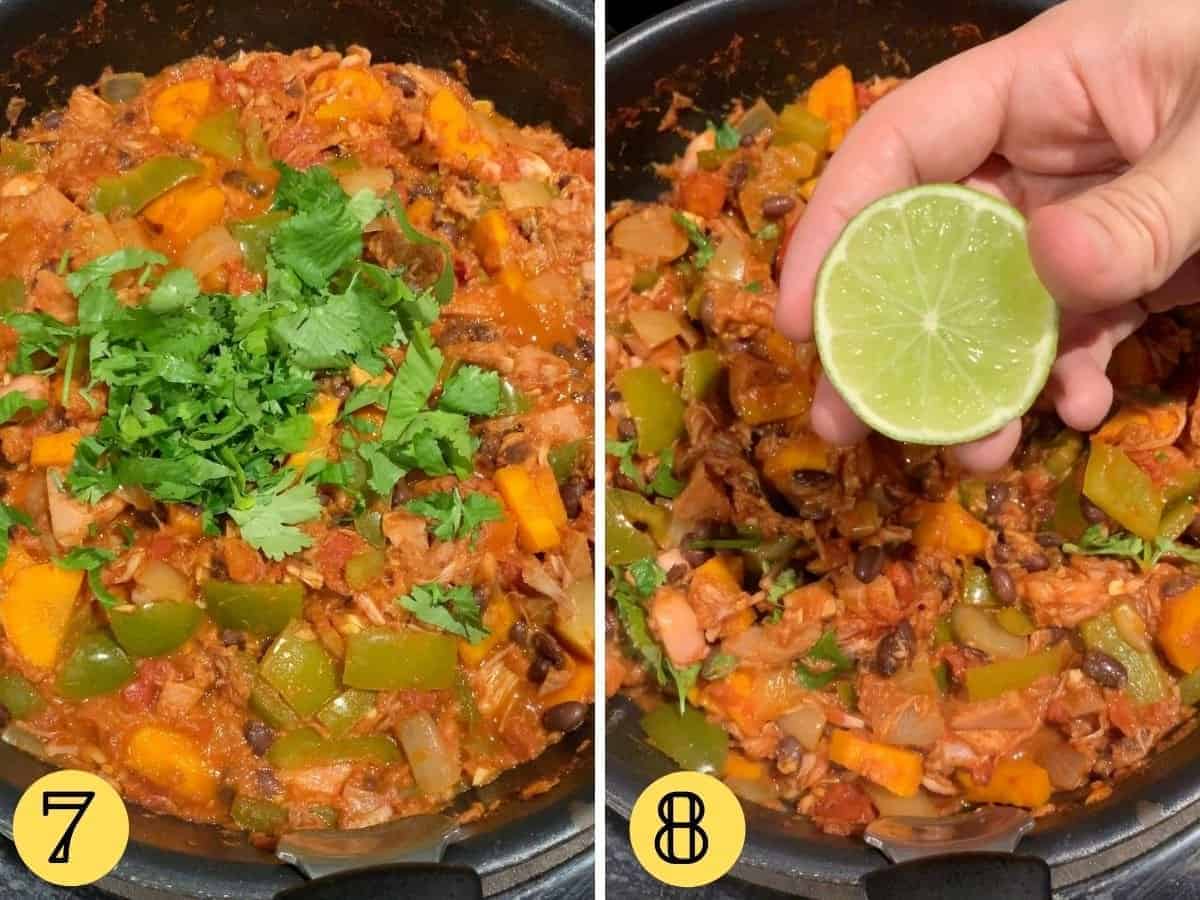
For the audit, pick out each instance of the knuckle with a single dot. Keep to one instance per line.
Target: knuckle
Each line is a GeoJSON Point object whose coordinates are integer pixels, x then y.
{"type": "Point", "coordinates": [1142, 202]}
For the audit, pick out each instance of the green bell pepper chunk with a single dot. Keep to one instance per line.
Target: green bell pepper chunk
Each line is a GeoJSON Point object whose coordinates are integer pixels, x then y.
{"type": "Point", "coordinates": [156, 628]}
{"type": "Point", "coordinates": [1015, 621]}
{"type": "Point", "coordinates": [941, 677]}
{"type": "Point", "coordinates": [19, 696]}
{"type": "Point", "coordinates": [701, 369]}
{"type": "Point", "coordinates": [1180, 484]}
{"type": "Point", "coordinates": [269, 706]}
{"type": "Point", "coordinates": [12, 294]}
{"type": "Point", "coordinates": [345, 711]}
{"type": "Point", "coordinates": [369, 526]}
{"type": "Point", "coordinates": [847, 694]}
{"type": "Point", "coordinates": [1062, 453]}
{"type": "Point", "coordinates": [220, 134]}
{"type": "Point", "coordinates": [1117, 485]}
{"type": "Point", "coordinates": [972, 496]}
{"type": "Point", "coordinates": [1176, 518]}
{"type": "Point", "coordinates": [513, 401]}
{"type": "Point", "coordinates": [1068, 520]}
{"type": "Point", "coordinates": [261, 609]}
{"type": "Point", "coordinates": [325, 815]}
{"type": "Point", "coordinates": [688, 738]}
{"type": "Point", "coordinates": [796, 125]}
{"type": "Point", "coordinates": [761, 559]}
{"type": "Point", "coordinates": [562, 459]}
{"type": "Point", "coordinates": [254, 237]}
{"type": "Point", "coordinates": [1147, 681]}
{"type": "Point", "coordinates": [17, 156]}
{"type": "Point", "coordinates": [640, 511]}
{"type": "Point", "coordinates": [256, 145]}
{"type": "Point", "coordinates": [96, 666]}
{"type": "Point", "coordinates": [383, 659]}
{"type": "Point", "coordinates": [261, 816]}
{"type": "Point", "coordinates": [136, 189]}
{"type": "Point", "coordinates": [301, 671]}
{"type": "Point", "coordinates": [625, 542]}
{"type": "Point", "coordinates": [977, 588]}
{"type": "Point", "coordinates": [306, 748]}
{"type": "Point", "coordinates": [943, 632]}
{"type": "Point", "coordinates": [365, 568]}
{"type": "Point", "coordinates": [1189, 689]}
{"type": "Point", "coordinates": [992, 680]}
{"type": "Point", "coordinates": [655, 407]}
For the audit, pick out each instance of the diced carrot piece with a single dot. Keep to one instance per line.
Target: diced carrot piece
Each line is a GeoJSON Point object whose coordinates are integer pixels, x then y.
{"type": "Point", "coordinates": [420, 212]}
{"type": "Point", "coordinates": [491, 236]}
{"type": "Point", "coordinates": [37, 610]}
{"type": "Point", "coordinates": [187, 211]}
{"type": "Point", "coordinates": [1016, 782]}
{"type": "Point", "coordinates": [742, 768]}
{"type": "Point", "coordinates": [1179, 630]}
{"type": "Point", "coordinates": [55, 449]}
{"type": "Point", "coordinates": [723, 573]}
{"type": "Point", "coordinates": [453, 133]}
{"type": "Point", "coordinates": [350, 94]}
{"type": "Point", "coordinates": [537, 519]}
{"type": "Point", "coordinates": [498, 618]}
{"type": "Point", "coordinates": [172, 761]}
{"type": "Point", "coordinates": [897, 769]}
{"type": "Point", "coordinates": [833, 99]}
{"type": "Point", "coordinates": [947, 526]}
{"type": "Point", "coordinates": [178, 109]}
{"type": "Point", "coordinates": [323, 412]}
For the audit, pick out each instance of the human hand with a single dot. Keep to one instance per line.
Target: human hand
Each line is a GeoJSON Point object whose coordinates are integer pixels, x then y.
{"type": "Point", "coordinates": [1087, 119]}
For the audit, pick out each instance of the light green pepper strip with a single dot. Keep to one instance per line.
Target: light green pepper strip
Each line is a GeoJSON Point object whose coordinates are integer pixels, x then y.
{"type": "Point", "coordinates": [345, 711]}
{"type": "Point", "coordinates": [19, 696]}
{"type": "Point", "coordinates": [625, 542]}
{"type": "Point", "coordinates": [135, 190]}
{"type": "Point", "coordinates": [796, 125]}
{"type": "Point", "coordinates": [383, 659]}
{"type": "Point", "coordinates": [261, 609]}
{"type": "Point", "coordinates": [17, 156]}
{"type": "Point", "coordinates": [96, 666]}
{"type": "Point", "coordinates": [994, 679]}
{"type": "Point", "coordinates": [12, 294]}
{"type": "Point", "coordinates": [701, 369]}
{"type": "Point", "coordinates": [1117, 485]}
{"type": "Point", "coordinates": [562, 459]}
{"type": "Point", "coordinates": [689, 739]}
{"type": "Point", "coordinates": [306, 748]}
{"type": "Point", "coordinates": [254, 237]}
{"type": "Point", "coordinates": [654, 405]}
{"type": "Point", "coordinates": [1189, 689]}
{"type": "Point", "coordinates": [220, 134]}
{"type": "Point", "coordinates": [1146, 682]}
{"type": "Point", "coordinates": [977, 588]}
{"type": "Point", "coordinates": [155, 629]}
{"type": "Point", "coordinates": [259, 816]}
{"type": "Point", "coordinates": [301, 671]}
{"type": "Point", "coordinates": [269, 706]}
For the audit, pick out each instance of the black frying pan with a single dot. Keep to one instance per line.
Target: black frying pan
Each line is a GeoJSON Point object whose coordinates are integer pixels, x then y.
{"type": "Point", "coordinates": [718, 50]}
{"type": "Point", "coordinates": [522, 54]}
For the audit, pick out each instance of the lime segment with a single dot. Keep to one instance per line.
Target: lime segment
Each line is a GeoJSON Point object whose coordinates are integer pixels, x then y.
{"type": "Point", "coordinates": [929, 318]}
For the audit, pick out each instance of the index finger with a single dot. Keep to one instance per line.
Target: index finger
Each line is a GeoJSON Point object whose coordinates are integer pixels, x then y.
{"type": "Point", "coordinates": [941, 126]}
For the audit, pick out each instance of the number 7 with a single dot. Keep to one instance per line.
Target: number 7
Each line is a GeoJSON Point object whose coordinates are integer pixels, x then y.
{"type": "Point", "coordinates": [55, 801]}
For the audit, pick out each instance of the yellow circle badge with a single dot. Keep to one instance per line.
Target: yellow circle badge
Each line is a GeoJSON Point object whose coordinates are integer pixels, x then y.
{"type": "Point", "coordinates": [687, 829]}
{"type": "Point", "coordinates": [71, 827]}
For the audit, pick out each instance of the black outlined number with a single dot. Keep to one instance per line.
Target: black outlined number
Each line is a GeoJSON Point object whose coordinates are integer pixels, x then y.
{"type": "Point", "coordinates": [57, 801]}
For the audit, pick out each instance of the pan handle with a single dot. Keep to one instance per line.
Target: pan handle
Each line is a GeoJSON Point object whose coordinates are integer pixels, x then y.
{"type": "Point", "coordinates": [972, 876]}
{"type": "Point", "coordinates": [405, 880]}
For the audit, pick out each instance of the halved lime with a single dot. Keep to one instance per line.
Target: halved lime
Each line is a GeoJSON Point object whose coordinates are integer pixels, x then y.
{"type": "Point", "coordinates": [930, 319]}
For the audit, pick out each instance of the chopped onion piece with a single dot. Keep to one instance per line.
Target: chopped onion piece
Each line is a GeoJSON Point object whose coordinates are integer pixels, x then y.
{"type": "Point", "coordinates": [650, 234]}
{"type": "Point", "coordinates": [378, 180]}
{"type": "Point", "coordinates": [434, 768]}
{"type": "Point", "coordinates": [525, 194]}
{"type": "Point", "coordinates": [656, 326]}
{"type": "Point", "coordinates": [729, 262]}
{"type": "Point", "coordinates": [806, 724]}
{"type": "Point", "coordinates": [210, 251]}
{"type": "Point", "coordinates": [158, 582]}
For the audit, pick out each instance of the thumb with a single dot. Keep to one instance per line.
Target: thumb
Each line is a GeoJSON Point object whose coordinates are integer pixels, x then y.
{"type": "Point", "coordinates": [1123, 239]}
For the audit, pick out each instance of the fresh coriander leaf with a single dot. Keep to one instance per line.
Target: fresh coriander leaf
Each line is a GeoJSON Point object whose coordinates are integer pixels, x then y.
{"type": "Point", "coordinates": [305, 189]}
{"type": "Point", "coordinates": [91, 560]}
{"type": "Point", "coordinates": [728, 137]}
{"type": "Point", "coordinates": [755, 287]}
{"type": "Point", "coordinates": [664, 483]}
{"type": "Point", "coordinates": [704, 248]}
{"type": "Point", "coordinates": [451, 517]}
{"type": "Point", "coordinates": [9, 517]}
{"type": "Point", "coordinates": [269, 524]}
{"type": "Point", "coordinates": [1096, 541]}
{"type": "Point", "coordinates": [177, 290]}
{"type": "Point", "coordinates": [412, 384]}
{"type": "Point", "coordinates": [453, 609]}
{"type": "Point", "coordinates": [443, 287]}
{"type": "Point", "coordinates": [685, 680]}
{"type": "Point", "coordinates": [437, 443]}
{"type": "Point", "coordinates": [291, 435]}
{"type": "Point", "coordinates": [37, 333]}
{"type": "Point", "coordinates": [91, 476]}
{"type": "Point", "coordinates": [1174, 548]}
{"type": "Point", "coordinates": [15, 402]}
{"type": "Point", "coordinates": [365, 207]}
{"type": "Point", "coordinates": [718, 665]}
{"type": "Point", "coordinates": [471, 391]}
{"type": "Point", "coordinates": [785, 582]}
{"type": "Point", "coordinates": [624, 452]}
{"type": "Point", "coordinates": [384, 473]}
{"type": "Point", "coordinates": [647, 575]}
{"type": "Point", "coordinates": [826, 649]}
{"type": "Point", "coordinates": [316, 244]}
{"type": "Point", "coordinates": [101, 270]}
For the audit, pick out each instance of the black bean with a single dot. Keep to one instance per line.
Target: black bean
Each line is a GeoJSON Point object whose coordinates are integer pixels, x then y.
{"type": "Point", "coordinates": [868, 563]}
{"type": "Point", "coordinates": [231, 638]}
{"type": "Point", "coordinates": [695, 558]}
{"type": "Point", "coordinates": [561, 350]}
{"type": "Point", "coordinates": [1058, 634]}
{"type": "Point", "coordinates": [519, 633]}
{"type": "Point", "coordinates": [1049, 539]}
{"type": "Point", "coordinates": [1180, 584]}
{"type": "Point", "coordinates": [548, 647]}
{"type": "Point", "coordinates": [1091, 512]}
{"type": "Point", "coordinates": [737, 174]}
{"type": "Point", "coordinates": [565, 716]}
{"type": "Point", "coordinates": [407, 86]}
{"type": "Point", "coordinates": [812, 510]}
{"type": "Point", "coordinates": [708, 312]}
{"type": "Point", "coordinates": [516, 452]}
{"type": "Point", "coordinates": [612, 396]}
{"type": "Point", "coordinates": [1103, 669]}
{"type": "Point", "coordinates": [1003, 552]}
{"type": "Point", "coordinates": [572, 493]}
{"type": "Point", "coordinates": [240, 181]}
{"type": "Point", "coordinates": [259, 735]}
{"type": "Point", "coordinates": [997, 494]}
{"type": "Point", "coordinates": [677, 573]}
{"type": "Point", "coordinates": [627, 429]}
{"type": "Point", "coordinates": [1036, 562]}
{"type": "Point", "coordinates": [585, 349]}
{"type": "Point", "coordinates": [787, 755]}
{"type": "Point", "coordinates": [1003, 586]}
{"type": "Point", "coordinates": [401, 493]}
{"type": "Point", "coordinates": [812, 478]}
{"type": "Point", "coordinates": [539, 669]}
{"type": "Point", "coordinates": [895, 651]}
{"type": "Point", "coordinates": [777, 206]}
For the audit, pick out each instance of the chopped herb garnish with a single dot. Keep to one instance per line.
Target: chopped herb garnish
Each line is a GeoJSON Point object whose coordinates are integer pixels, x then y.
{"type": "Point", "coordinates": [452, 609]}
{"type": "Point", "coordinates": [451, 517]}
{"type": "Point", "coordinates": [9, 517]}
{"type": "Point", "coordinates": [704, 248]}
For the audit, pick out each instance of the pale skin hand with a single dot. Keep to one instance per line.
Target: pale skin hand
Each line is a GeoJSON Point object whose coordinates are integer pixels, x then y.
{"type": "Point", "coordinates": [1088, 119]}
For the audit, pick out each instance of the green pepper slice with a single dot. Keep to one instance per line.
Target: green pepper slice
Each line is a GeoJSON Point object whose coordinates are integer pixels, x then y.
{"type": "Point", "coordinates": [301, 671]}
{"type": "Point", "coordinates": [562, 459]}
{"type": "Point", "coordinates": [19, 696]}
{"type": "Point", "coordinates": [1068, 520]}
{"type": "Point", "coordinates": [345, 711]}
{"type": "Point", "coordinates": [254, 237]}
{"type": "Point", "coordinates": [688, 738]}
{"type": "Point", "coordinates": [513, 401]}
{"type": "Point", "coordinates": [796, 125]}
{"type": "Point", "coordinates": [383, 659]}
{"type": "Point", "coordinates": [136, 189]}
{"type": "Point", "coordinates": [365, 568]}
{"type": "Point", "coordinates": [1147, 681]}
{"type": "Point", "coordinates": [269, 706]}
{"type": "Point", "coordinates": [701, 370]}
{"type": "Point", "coordinates": [261, 816]}
{"type": "Point", "coordinates": [155, 629]}
{"type": "Point", "coordinates": [1176, 518]}
{"type": "Point", "coordinates": [220, 134]}
{"type": "Point", "coordinates": [96, 666]}
{"type": "Point", "coordinates": [306, 748]}
{"type": "Point", "coordinates": [1189, 689]}
{"type": "Point", "coordinates": [625, 542]}
{"type": "Point", "coordinates": [654, 405]}
{"type": "Point", "coordinates": [992, 680]}
{"type": "Point", "coordinates": [261, 609]}
{"type": "Point", "coordinates": [1062, 453]}
{"type": "Point", "coordinates": [977, 588]}
{"type": "Point", "coordinates": [17, 156]}
{"type": "Point", "coordinates": [369, 526]}
{"type": "Point", "coordinates": [1117, 485]}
